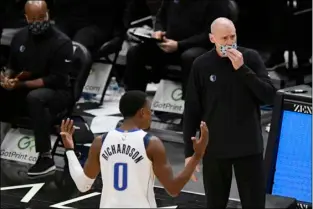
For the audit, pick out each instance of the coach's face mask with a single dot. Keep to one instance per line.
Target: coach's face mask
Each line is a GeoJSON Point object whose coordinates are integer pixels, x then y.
{"type": "Point", "coordinates": [223, 48]}
{"type": "Point", "coordinates": [39, 27]}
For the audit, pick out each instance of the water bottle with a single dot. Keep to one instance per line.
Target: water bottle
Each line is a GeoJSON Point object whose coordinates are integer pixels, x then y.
{"type": "Point", "coordinates": [294, 59]}
{"type": "Point", "coordinates": [113, 89]}
{"type": "Point", "coordinates": [88, 96]}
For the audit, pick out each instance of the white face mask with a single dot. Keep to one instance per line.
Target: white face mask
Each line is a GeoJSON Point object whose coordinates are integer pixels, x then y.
{"type": "Point", "coordinates": [223, 48]}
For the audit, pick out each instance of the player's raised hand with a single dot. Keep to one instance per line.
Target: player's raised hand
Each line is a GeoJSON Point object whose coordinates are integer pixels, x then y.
{"type": "Point", "coordinates": [199, 145]}
{"type": "Point", "coordinates": [67, 131]}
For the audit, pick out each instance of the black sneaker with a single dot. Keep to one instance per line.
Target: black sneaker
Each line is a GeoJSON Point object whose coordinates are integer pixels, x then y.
{"type": "Point", "coordinates": [43, 166]}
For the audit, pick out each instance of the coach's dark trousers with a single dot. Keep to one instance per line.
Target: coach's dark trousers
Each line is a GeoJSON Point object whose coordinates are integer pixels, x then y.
{"type": "Point", "coordinates": [249, 173]}
{"type": "Point", "coordinates": [150, 54]}
{"type": "Point", "coordinates": [40, 104]}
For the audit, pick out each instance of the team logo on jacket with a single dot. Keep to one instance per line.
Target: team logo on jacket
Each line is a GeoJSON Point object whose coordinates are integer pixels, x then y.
{"type": "Point", "coordinates": [212, 78]}
{"type": "Point", "coordinates": [22, 48]}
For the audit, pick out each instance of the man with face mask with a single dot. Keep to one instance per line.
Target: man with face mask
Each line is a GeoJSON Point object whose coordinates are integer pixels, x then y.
{"type": "Point", "coordinates": [226, 88]}
{"type": "Point", "coordinates": [36, 82]}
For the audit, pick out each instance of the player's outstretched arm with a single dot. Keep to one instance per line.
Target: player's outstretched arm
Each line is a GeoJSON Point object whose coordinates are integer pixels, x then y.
{"type": "Point", "coordinates": [83, 178]}
{"type": "Point", "coordinates": [162, 168]}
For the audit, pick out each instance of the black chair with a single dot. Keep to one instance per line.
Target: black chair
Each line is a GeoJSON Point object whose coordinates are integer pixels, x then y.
{"type": "Point", "coordinates": [112, 47]}
{"type": "Point", "coordinates": [108, 54]}
{"type": "Point", "coordinates": [81, 66]}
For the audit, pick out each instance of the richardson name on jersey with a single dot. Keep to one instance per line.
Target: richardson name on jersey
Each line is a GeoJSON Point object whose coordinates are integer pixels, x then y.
{"type": "Point", "coordinates": [122, 149]}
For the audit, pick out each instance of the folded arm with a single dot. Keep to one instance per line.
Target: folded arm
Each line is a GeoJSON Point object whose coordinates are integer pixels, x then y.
{"type": "Point", "coordinates": [13, 67]}
{"type": "Point", "coordinates": [59, 70]}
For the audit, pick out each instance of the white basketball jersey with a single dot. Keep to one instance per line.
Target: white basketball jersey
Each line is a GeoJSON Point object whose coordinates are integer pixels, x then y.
{"type": "Point", "coordinates": [127, 174]}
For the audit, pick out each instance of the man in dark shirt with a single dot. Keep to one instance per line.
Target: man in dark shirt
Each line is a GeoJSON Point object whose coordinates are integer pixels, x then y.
{"type": "Point", "coordinates": [182, 26]}
{"type": "Point", "coordinates": [92, 23]}
{"type": "Point", "coordinates": [226, 87]}
{"type": "Point", "coordinates": [44, 91]}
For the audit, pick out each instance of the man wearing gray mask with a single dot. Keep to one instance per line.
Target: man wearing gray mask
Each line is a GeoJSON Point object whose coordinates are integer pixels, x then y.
{"type": "Point", "coordinates": [36, 82]}
{"type": "Point", "coordinates": [226, 88]}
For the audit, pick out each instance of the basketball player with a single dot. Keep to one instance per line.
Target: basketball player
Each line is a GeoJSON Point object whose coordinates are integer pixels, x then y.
{"type": "Point", "coordinates": [129, 157]}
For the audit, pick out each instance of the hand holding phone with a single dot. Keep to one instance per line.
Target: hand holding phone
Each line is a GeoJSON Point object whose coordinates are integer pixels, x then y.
{"type": "Point", "coordinates": [158, 35]}
{"type": "Point", "coordinates": [146, 35]}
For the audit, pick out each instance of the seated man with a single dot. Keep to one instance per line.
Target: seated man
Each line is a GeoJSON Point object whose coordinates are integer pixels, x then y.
{"type": "Point", "coordinates": [44, 91]}
{"type": "Point", "coordinates": [182, 26]}
{"type": "Point", "coordinates": [12, 19]}
{"type": "Point", "coordinates": [92, 23]}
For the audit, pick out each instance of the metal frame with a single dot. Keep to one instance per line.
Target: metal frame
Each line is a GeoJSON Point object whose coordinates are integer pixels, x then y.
{"type": "Point", "coordinates": [283, 97]}
{"type": "Point", "coordinates": [113, 63]}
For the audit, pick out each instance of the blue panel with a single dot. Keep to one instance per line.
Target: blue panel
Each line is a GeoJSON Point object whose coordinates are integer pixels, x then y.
{"type": "Point", "coordinates": [293, 175]}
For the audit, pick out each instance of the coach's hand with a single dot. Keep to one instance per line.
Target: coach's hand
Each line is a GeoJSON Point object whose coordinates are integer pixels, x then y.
{"type": "Point", "coordinates": [67, 130]}
{"type": "Point", "coordinates": [10, 84]}
{"type": "Point", "coordinates": [158, 35]}
{"type": "Point", "coordinates": [6, 82]}
{"type": "Point", "coordinates": [3, 79]}
{"type": "Point", "coordinates": [199, 146]}
{"type": "Point", "coordinates": [235, 57]}
{"type": "Point", "coordinates": [169, 45]}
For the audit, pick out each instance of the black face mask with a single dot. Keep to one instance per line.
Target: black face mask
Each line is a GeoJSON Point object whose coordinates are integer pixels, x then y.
{"type": "Point", "coordinates": [38, 28]}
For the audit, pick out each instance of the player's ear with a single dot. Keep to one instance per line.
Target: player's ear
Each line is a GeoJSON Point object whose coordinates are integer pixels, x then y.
{"type": "Point", "coordinates": [211, 38]}
{"type": "Point", "coordinates": [26, 18]}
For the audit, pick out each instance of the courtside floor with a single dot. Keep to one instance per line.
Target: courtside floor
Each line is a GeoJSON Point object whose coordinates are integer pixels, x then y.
{"type": "Point", "coordinates": [17, 191]}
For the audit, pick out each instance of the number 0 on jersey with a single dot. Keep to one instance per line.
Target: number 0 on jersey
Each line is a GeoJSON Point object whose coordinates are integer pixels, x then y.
{"type": "Point", "coordinates": [120, 176]}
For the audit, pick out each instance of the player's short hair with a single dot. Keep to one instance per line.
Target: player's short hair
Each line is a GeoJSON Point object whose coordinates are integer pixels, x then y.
{"type": "Point", "coordinates": [131, 102]}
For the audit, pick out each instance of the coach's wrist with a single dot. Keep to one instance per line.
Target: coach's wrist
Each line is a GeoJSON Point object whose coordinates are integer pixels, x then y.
{"type": "Point", "coordinates": [197, 156]}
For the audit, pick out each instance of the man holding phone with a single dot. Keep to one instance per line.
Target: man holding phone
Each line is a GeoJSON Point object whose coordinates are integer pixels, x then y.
{"type": "Point", "coordinates": [36, 84]}
{"type": "Point", "coordinates": [180, 37]}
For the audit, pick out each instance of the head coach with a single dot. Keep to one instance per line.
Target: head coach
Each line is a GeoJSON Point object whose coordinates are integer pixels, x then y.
{"type": "Point", "coordinates": [226, 87]}
{"type": "Point", "coordinates": [37, 80]}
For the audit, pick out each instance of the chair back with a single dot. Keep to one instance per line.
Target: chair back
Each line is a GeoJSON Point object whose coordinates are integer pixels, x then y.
{"type": "Point", "coordinates": [82, 62]}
